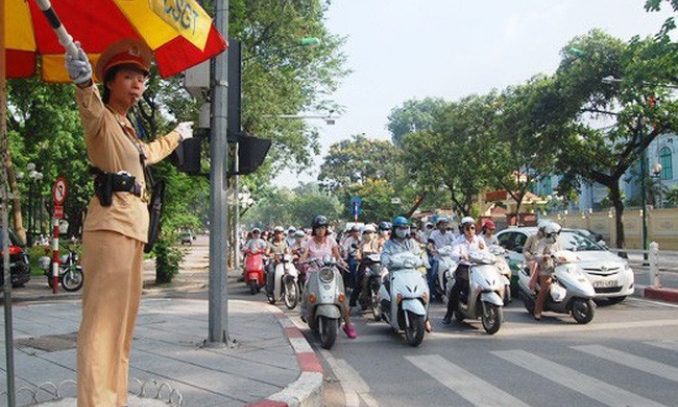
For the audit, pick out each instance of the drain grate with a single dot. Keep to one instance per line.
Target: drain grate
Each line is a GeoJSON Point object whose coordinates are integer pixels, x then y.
{"type": "Point", "coordinates": [49, 343]}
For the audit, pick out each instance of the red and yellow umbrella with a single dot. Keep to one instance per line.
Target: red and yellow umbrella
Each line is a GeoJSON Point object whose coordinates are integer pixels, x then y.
{"type": "Point", "coordinates": [179, 32]}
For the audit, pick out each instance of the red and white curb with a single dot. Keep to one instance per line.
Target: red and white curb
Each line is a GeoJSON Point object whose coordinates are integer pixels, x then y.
{"type": "Point", "coordinates": [306, 390]}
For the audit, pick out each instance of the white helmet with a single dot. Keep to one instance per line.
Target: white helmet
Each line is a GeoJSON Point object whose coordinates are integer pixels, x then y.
{"type": "Point", "coordinates": [369, 228]}
{"type": "Point", "coordinates": [551, 228]}
{"type": "Point", "coordinates": [467, 220]}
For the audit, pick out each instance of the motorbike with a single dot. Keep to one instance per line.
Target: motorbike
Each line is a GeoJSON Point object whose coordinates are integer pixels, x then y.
{"type": "Point", "coordinates": [374, 272]}
{"type": "Point", "coordinates": [571, 291]}
{"type": "Point", "coordinates": [324, 300]}
{"type": "Point", "coordinates": [446, 267]}
{"type": "Point", "coordinates": [404, 297]}
{"type": "Point", "coordinates": [503, 266]}
{"type": "Point", "coordinates": [71, 275]}
{"type": "Point", "coordinates": [285, 283]}
{"type": "Point", "coordinates": [482, 296]}
{"type": "Point", "coordinates": [254, 270]}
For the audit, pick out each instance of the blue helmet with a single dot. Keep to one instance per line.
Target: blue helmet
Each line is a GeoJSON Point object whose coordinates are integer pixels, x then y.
{"type": "Point", "coordinates": [400, 221]}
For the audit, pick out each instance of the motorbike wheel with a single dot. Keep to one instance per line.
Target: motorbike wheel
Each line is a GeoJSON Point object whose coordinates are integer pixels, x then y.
{"type": "Point", "coordinates": [328, 332]}
{"type": "Point", "coordinates": [582, 310]}
{"type": "Point", "coordinates": [253, 287]}
{"type": "Point", "coordinates": [72, 280]}
{"type": "Point", "coordinates": [376, 306]}
{"type": "Point", "coordinates": [290, 294]}
{"type": "Point", "coordinates": [491, 318]}
{"type": "Point", "coordinates": [414, 333]}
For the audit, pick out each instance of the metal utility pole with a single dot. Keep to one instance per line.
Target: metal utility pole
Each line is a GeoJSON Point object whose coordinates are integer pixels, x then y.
{"type": "Point", "coordinates": [4, 200]}
{"type": "Point", "coordinates": [218, 277]}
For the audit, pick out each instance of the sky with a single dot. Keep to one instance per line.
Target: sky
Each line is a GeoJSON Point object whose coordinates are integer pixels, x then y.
{"type": "Point", "coordinates": [399, 50]}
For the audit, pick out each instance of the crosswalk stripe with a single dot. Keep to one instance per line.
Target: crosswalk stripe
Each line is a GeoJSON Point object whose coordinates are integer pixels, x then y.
{"type": "Point", "coordinates": [673, 346]}
{"type": "Point", "coordinates": [590, 386]}
{"type": "Point", "coordinates": [632, 361]}
{"type": "Point", "coordinates": [474, 389]}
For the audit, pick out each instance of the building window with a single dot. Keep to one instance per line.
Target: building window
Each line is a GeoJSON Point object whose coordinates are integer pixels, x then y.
{"type": "Point", "coordinates": [666, 160]}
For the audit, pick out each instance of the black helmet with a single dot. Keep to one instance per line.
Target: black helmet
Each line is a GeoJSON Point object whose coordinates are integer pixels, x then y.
{"type": "Point", "coordinates": [319, 221]}
{"type": "Point", "coordinates": [383, 225]}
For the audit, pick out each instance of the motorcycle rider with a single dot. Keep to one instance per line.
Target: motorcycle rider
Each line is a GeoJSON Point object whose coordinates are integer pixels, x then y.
{"type": "Point", "coordinates": [368, 245]}
{"type": "Point", "coordinates": [438, 239]}
{"type": "Point", "coordinates": [545, 248]}
{"type": "Point", "coordinates": [254, 244]}
{"type": "Point", "coordinates": [466, 244]}
{"type": "Point", "coordinates": [350, 248]}
{"type": "Point", "coordinates": [318, 246]}
{"type": "Point", "coordinates": [400, 242]}
{"type": "Point", "coordinates": [530, 249]}
{"type": "Point", "coordinates": [488, 234]}
{"type": "Point", "coordinates": [276, 249]}
{"type": "Point", "coordinates": [290, 235]}
{"type": "Point", "coordinates": [384, 233]}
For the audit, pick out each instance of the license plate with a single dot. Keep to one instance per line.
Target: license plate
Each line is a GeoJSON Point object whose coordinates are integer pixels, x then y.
{"type": "Point", "coordinates": [606, 283]}
{"type": "Point", "coordinates": [254, 276]}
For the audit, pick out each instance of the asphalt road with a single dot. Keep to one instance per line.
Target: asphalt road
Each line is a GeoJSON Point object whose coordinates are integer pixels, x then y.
{"type": "Point", "coordinates": [627, 356]}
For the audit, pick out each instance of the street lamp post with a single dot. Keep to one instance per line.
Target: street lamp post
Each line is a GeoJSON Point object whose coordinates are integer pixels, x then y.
{"type": "Point", "coordinates": [657, 173]}
{"type": "Point", "coordinates": [33, 176]}
{"type": "Point", "coordinates": [643, 199]}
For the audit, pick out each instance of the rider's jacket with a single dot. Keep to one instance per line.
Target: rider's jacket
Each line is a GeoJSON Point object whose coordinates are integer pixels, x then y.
{"type": "Point", "coordinates": [394, 246]}
{"type": "Point", "coordinates": [463, 247]}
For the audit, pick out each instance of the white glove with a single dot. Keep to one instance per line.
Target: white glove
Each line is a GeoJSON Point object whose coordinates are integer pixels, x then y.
{"type": "Point", "coordinates": [185, 129]}
{"type": "Point", "coordinates": [78, 67]}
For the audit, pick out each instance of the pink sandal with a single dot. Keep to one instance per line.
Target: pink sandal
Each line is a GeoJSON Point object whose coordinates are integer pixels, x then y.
{"type": "Point", "coordinates": [350, 332]}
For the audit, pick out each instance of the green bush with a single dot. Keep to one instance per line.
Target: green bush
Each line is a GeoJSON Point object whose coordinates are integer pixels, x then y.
{"type": "Point", "coordinates": [167, 259]}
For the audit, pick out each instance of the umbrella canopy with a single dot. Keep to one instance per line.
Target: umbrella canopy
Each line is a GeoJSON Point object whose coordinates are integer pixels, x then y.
{"type": "Point", "coordinates": [180, 33]}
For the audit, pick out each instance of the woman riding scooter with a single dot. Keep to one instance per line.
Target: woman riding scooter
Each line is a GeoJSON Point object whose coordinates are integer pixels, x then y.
{"type": "Point", "coordinates": [276, 249]}
{"type": "Point", "coordinates": [466, 243]}
{"type": "Point", "coordinates": [317, 247]}
{"type": "Point", "coordinates": [399, 242]}
{"type": "Point", "coordinates": [542, 255]}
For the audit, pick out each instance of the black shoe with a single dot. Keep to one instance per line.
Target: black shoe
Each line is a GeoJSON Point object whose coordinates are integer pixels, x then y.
{"type": "Point", "coordinates": [447, 320]}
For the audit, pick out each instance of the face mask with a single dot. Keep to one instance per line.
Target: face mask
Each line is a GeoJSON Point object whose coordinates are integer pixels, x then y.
{"type": "Point", "coordinates": [401, 233]}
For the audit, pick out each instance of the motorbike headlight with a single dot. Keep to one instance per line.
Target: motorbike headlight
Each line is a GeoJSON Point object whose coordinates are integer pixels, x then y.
{"type": "Point", "coordinates": [326, 275]}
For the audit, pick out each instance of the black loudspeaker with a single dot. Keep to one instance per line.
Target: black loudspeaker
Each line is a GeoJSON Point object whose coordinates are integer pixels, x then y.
{"type": "Point", "coordinates": [186, 157]}
{"type": "Point", "coordinates": [251, 153]}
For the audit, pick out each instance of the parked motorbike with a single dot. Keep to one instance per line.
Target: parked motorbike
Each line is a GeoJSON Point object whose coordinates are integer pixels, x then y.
{"type": "Point", "coordinates": [324, 298]}
{"type": "Point", "coordinates": [285, 282]}
{"type": "Point", "coordinates": [571, 291]}
{"type": "Point", "coordinates": [404, 297]}
{"type": "Point", "coordinates": [71, 275]}
{"type": "Point", "coordinates": [374, 272]}
{"type": "Point", "coordinates": [483, 296]}
{"type": "Point", "coordinates": [254, 270]}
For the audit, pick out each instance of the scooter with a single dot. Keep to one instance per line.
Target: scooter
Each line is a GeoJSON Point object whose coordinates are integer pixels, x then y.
{"type": "Point", "coordinates": [285, 282]}
{"type": "Point", "coordinates": [324, 300]}
{"type": "Point", "coordinates": [404, 297]}
{"type": "Point", "coordinates": [374, 272]}
{"type": "Point", "coordinates": [571, 291]}
{"type": "Point", "coordinates": [504, 269]}
{"type": "Point", "coordinates": [446, 267]}
{"type": "Point", "coordinates": [483, 296]}
{"type": "Point", "coordinates": [254, 270]}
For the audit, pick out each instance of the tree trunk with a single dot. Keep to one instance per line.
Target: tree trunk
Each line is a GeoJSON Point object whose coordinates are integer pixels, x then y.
{"type": "Point", "coordinates": [16, 201]}
{"type": "Point", "coordinates": [615, 197]}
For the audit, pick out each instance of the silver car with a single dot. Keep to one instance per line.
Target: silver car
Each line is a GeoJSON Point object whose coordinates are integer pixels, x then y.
{"type": "Point", "coordinates": [610, 275]}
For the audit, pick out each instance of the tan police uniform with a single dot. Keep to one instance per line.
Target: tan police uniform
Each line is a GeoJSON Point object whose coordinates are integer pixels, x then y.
{"type": "Point", "coordinates": [113, 242]}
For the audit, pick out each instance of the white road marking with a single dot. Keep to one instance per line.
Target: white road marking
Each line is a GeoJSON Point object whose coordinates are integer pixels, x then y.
{"type": "Point", "coordinates": [632, 361]}
{"type": "Point", "coordinates": [664, 345]}
{"type": "Point", "coordinates": [590, 386]}
{"type": "Point", "coordinates": [474, 389]}
{"type": "Point", "coordinates": [355, 388]}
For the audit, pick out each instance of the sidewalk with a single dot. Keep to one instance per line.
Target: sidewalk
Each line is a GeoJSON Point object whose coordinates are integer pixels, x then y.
{"type": "Point", "coordinates": [267, 362]}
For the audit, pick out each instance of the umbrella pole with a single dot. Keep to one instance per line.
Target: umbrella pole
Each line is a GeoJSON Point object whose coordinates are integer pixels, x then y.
{"type": "Point", "coordinates": [4, 194]}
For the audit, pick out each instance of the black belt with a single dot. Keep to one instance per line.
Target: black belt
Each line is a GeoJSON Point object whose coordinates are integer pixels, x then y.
{"type": "Point", "coordinates": [106, 183]}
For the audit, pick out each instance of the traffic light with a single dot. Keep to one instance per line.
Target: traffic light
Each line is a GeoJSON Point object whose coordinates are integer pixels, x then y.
{"type": "Point", "coordinates": [186, 157]}
{"type": "Point", "coordinates": [251, 153]}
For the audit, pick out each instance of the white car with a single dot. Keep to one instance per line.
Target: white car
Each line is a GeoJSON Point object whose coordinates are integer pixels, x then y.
{"type": "Point", "coordinates": [610, 275]}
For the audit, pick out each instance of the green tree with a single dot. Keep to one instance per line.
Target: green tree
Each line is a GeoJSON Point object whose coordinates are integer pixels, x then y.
{"type": "Point", "coordinates": [612, 124]}
{"type": "Point", "coordinates": [414, 116]}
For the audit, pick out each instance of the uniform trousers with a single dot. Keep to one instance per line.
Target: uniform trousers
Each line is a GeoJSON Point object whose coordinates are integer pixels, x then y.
{"type": "Point", "coordinates": [113, 265]}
